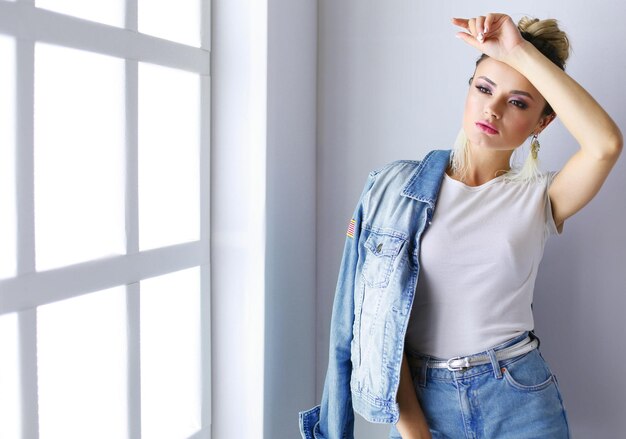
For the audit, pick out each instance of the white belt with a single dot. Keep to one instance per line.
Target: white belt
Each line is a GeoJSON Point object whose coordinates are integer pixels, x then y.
{"type": "Point", "coordinates": [461, 363]}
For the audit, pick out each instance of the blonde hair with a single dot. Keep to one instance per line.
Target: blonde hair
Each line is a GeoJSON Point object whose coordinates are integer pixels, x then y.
{"type": "Point", "coordinates": [554, 44]}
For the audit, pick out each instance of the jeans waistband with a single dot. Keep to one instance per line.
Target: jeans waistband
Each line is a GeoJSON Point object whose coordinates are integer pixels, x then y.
{"type": "Point", "coordinates": [479, 362]}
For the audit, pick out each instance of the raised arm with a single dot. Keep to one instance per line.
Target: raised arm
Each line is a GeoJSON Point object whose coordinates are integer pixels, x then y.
{"type": "Point", "coordinates": [600, 139]}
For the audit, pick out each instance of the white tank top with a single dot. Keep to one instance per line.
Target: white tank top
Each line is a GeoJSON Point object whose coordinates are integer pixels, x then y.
{"type": "Point", "coordinates": [478, 264]}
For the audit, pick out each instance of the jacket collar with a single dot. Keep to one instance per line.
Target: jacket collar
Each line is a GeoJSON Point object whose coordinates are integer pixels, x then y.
{"type": "Point", "coordinates": [424, 183]}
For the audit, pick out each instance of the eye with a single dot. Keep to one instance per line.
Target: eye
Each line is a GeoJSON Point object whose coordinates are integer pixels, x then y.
{"type": "Point", "coordinates": [483, 89]}
{"type": "Point", "coordinates": [521, 105]}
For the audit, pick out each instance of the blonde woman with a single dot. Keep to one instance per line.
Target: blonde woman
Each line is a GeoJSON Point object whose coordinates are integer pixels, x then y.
{"type": "Point", "coordinates": [432, 326]}
{"type": "Point", "coordinates": [518, 88]}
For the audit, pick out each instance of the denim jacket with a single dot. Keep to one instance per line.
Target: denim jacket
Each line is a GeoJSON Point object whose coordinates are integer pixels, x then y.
{"type": "Point", "coordinates": [374, 296]}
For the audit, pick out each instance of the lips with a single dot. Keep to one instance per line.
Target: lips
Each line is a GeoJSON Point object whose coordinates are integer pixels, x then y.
{"type": "Point", "coordinates": [487, 127]}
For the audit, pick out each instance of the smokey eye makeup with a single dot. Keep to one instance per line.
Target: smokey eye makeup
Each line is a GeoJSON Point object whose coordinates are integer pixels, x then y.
{"type": "Point", "coordinates": [521, 104]}
{"type": "Point", "coordinates": [517, 102]}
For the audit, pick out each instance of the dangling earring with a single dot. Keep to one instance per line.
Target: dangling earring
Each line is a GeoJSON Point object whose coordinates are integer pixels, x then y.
{"type": "Point", "coordinates": [534, 146]}
{"type": "Point", "coordinates": [530, 169]}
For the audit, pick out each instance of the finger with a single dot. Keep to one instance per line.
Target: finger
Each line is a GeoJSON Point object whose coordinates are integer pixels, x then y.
{"type": "Point", "coordinates": [488, 22]}
{"type": "Point", "coordinates": [461, 22]}
{"type": "Point", "coordinates": [480, 32]}
{"type": "Point", "coordinates": [475, 30]}
{"type": "Point", "coordinates": [480, 27]}
{"type": "Point", "coordinates": [469, 39]}
{"type": "Point", "coordinates": [472, 26]}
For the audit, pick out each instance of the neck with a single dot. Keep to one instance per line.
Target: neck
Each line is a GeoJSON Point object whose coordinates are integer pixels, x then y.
{"type": "Point", "coordinates": [485, 165]}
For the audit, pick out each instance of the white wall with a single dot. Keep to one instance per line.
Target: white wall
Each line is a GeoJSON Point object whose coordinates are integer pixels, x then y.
{"type": "Point", "coordinates": [238, 204]}
{"type": "Point", "coordinates": [291, 239]}
{"type": "Point", "coordinates": [264, 57]}
{"type": "Point", "coordinates": [334, 89]}
{"type": "Point", "coordinates": [391, 84]}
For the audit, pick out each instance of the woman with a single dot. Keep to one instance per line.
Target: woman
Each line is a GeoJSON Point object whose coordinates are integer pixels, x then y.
{"type": "Point", "coordinates": [454, 355]}
{"type": "Point", "coordinates": [516, 91]}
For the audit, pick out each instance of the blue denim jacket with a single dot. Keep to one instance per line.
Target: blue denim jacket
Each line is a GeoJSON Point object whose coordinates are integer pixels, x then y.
{"type": "Point", "coordinates": [374, 296]}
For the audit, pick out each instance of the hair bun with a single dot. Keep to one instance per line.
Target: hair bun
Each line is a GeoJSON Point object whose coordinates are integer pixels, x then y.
{"type": "Point", "coordinates": [547, 37]}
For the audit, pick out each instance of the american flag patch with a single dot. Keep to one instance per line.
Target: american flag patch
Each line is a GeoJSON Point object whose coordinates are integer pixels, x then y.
{"type": "Point", "coordinates": [351, 228]}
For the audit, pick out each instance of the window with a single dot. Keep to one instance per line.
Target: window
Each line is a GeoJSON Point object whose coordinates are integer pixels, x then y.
{"type": "Point", "coordinates": [104, 219]}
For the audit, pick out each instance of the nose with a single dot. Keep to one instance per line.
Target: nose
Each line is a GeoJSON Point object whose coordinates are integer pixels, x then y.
{"type": "Point", "coordinates": [491, 110]}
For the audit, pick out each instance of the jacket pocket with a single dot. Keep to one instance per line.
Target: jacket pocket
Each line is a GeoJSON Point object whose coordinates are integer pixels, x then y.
{"type": "Point", "coordinates": [382, 250]}
{"type": "Point", "coordinates": [309, 422]}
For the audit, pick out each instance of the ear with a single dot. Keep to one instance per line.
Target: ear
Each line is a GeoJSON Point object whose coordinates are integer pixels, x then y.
{"type": "Point", "coordinates": [544, 122]}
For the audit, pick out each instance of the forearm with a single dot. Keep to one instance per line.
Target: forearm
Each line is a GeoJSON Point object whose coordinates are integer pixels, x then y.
{"type": "Point", "coordinates": [412, 423]}
{"type": "Point", "coordinates": [584, 118]}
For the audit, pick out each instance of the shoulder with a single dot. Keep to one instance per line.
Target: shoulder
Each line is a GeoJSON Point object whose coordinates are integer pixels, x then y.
{"type": "Point", "coordinates": [545, 178]}
{"type": "Point", "coordinates": [404, 170]}
{"type": "Point", "coordinates": [541, 179]}
{"type": "Point", "coordinates": [552, 227]}
{"type": "Point", "coordinates": [392, 176]}
{"type": "Point", "coordinates": [395, 168]}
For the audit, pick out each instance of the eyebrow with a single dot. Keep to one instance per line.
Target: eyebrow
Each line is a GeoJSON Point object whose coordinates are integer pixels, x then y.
{"type": "Point", "coordinates": [517, 92]}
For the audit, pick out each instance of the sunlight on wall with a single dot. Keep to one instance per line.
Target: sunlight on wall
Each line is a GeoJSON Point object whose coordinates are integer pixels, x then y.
{"type": "Point", "coordinates": [82, 367]}
{"type": "Point", "coordinates": [170, 355]}
{"type": "Point", "coordinates": [103, 11]}
{"type": "Point", "coordinates": [254, 307]}
{"type": "Point", "coordinates": [79, 156]}
{"type": "Point", "coordinates": [177, 21]}
{"type": "Point", "coordinates": [8, 208]}
{"type": "Point", "coordinates": [169, 156]}
{"type": "Point", "coordinates": [9, 378]}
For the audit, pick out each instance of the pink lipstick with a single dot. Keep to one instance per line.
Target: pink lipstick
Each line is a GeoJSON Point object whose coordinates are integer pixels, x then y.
{"type": "Point", "coordinates": [487, 127]}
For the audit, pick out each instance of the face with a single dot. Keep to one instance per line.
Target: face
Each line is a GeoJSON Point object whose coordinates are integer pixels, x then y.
{"type": "Point", "coordinates": [504, 99]}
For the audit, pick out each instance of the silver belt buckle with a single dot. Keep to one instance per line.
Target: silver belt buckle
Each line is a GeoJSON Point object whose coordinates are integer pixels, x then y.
{"type": "Point", "coordinates": [466, 364]}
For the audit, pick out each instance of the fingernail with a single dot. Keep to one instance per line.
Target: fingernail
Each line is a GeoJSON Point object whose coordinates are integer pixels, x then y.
{"type": "Point", "coordinates": [486, 30]}
{"type": "Point", "coordinates": [480, 37]}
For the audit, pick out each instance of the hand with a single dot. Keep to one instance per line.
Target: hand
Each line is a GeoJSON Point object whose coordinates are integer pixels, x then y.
{"type": "Point", "coordinates": [495, 35]}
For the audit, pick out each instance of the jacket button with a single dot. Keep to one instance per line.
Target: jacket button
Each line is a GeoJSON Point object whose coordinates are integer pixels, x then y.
{"type": "Point", "coordinates": [379, 247]}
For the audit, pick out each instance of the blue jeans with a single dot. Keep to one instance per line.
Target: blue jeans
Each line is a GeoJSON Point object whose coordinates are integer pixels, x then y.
{"type": "Point", "coordinates": [518, 398]}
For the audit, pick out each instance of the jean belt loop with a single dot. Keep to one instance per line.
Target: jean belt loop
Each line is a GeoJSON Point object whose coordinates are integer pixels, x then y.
{"type": "Point", "coordinates": [423, 372]}
{"type": "Point", "coordinates": [495, 363]}
{"type": "Point", "coordinates": [533, 336]}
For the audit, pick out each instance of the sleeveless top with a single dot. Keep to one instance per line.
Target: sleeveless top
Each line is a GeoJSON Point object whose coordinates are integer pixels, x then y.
{"type": "Point", "coordinates": [478, 264]}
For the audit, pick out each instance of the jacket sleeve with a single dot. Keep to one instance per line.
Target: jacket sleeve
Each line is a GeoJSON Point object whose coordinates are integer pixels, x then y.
{"type": "Point", "coordinates": [334, 418]}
